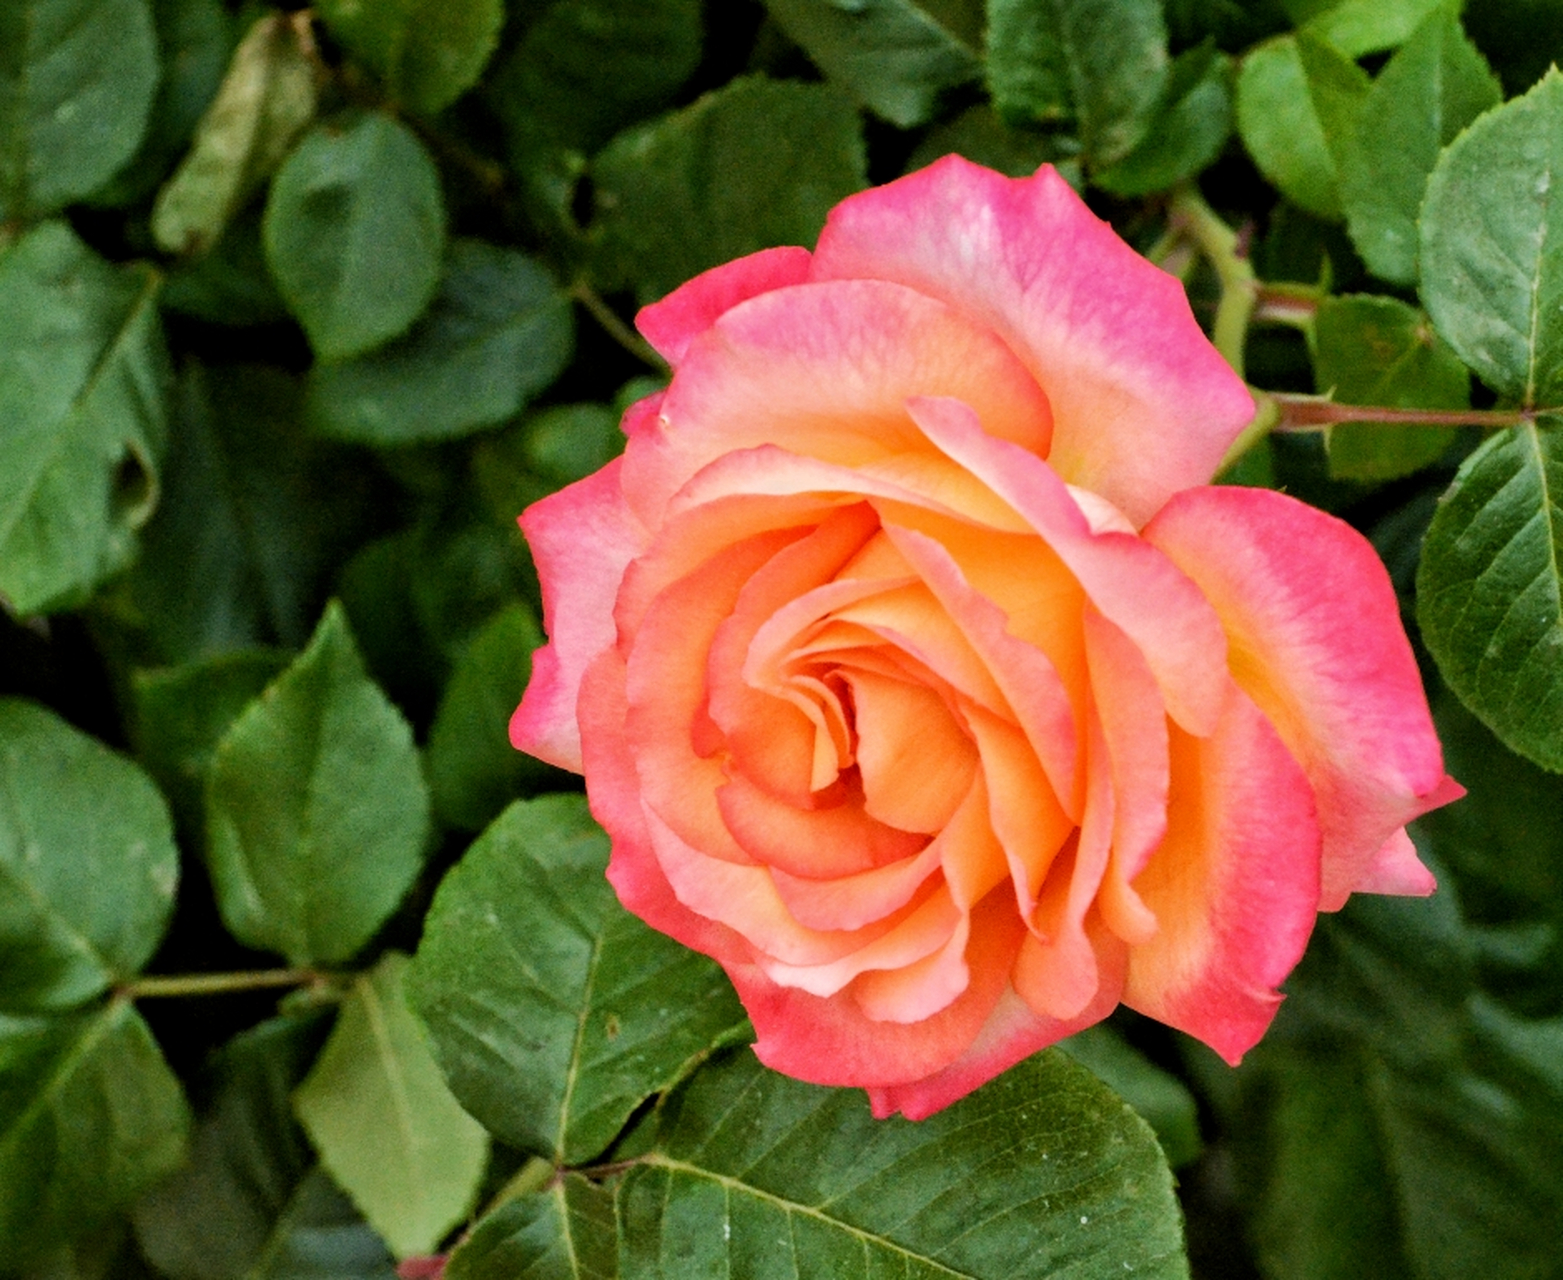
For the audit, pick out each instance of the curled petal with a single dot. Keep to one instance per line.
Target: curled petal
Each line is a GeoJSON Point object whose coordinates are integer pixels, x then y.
{"type": "Point", "coordinates": [678, 319]}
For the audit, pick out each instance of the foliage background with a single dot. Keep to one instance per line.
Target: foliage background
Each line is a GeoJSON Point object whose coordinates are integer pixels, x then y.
{"type": "Point", "coordinates": [299, 308]}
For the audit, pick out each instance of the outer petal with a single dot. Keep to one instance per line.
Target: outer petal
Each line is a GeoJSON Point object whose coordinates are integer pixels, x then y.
{"type": "Point", "coordinates": [1234, 886]}
{"type": "Point", "coordinates": [1143, 405]}
{"type": "Point", "coordinates": [582, 538]}
{"type": "Point", "coordinates": [678, 319]}
{"type": "Point", "coordinates": [1315, 639]}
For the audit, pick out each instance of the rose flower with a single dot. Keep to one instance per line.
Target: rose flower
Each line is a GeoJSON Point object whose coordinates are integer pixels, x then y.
{"type": "Point", "coordinates": [919, 676]}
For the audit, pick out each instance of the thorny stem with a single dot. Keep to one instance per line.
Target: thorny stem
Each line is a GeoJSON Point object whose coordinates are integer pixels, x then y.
{"type": "Point", "coordinates": [209, 984]}
{"type": "Point", "coordinates": [620, 332]}
{"type": "Point", "coordinates": [1309, 413]}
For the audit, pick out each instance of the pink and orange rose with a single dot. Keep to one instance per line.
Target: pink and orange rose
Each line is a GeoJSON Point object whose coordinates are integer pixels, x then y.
{"type": "Point", "coordinates": [922, 679]}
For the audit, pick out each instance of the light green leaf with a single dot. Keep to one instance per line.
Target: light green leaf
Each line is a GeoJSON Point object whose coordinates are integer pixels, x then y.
{"type": "Point", "coordinates": [1162, 1100]}
{"type": "Point", "coordinates": [427, 52]}
{"type": "Point", "coordinates": [1041, 1173]}
{"type": "Point", "coordinates": [385, 1125]}
{"type": "Point", "coordinates": [83, 379]}
{"type": "Point", "coordinates": [1492, 278]}
{"type": "Point", "coordinates": [265, 101]}
{"type": "Point", "coordinates": [1187, 127]}
{"type": "Point", "coordinates": [564, 1233]}
{"type": "Point", "coordinates": [77, 79]}
{"type": "Point", "coordinates": [355, 233]}
{"type": "Point", "coordinates": [755, 164]}
{"type": "Point", "coordinates": [1489, 590]}
{"type": "Point", "coordinates": [896, 57]}
{"type": "Point", "coordinates": [1297, 104]}
{"type": "Point", "coordinates": [317, 812]}
{"type": "Point", "coordinates": [1435, 86]}
{"type": "Point", "coordinates": [473, 770]}
{"type": "Point", "coordinates": [1358, 27]}
{"type": "Point", "coordinates": [554, 1012]}
{"type": "Point", "coordinates": [87, 863]}
{"type": "Point", "coordinates": [1378, 351]}
{"type": "Point", "coordinates": [500, 331]}
{"type": "Point", "coordinates": [90, 1118]}
{"type": "Point", "coordinates": [1102, 63]}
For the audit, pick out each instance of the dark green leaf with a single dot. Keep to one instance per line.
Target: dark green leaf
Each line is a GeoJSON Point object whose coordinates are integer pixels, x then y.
{"type": "Point", "coordinates": [90, 1118]}
{"type": "Point", "coordinates": [264, 102]}
{"type": "Point", "coordinates": [1491, 276]}
{"type": "Point", "coordinates": [1378, 351]}
{"type": "Point", "coordinates": [1102, 63]}
{"type": "Point", "coordinates": [1357, 27]}
{"type": "Point", "coordinates": [355, 232]}
{"type": "Point", "coordinates": [77, 78]}
{"type": "Point", "coordinates": [1188, 127]}
{"type": "Point", "coordinates": [564, 1233]}
{"type": "Point", "coordinates": [83, 377]}
{"type": "Point", "coordinates": [554, 1012]}
{"type": "Point", "coordinates": [1042, 1172]}
{"type": "Point", "coordinates": [896, 57]}
{"type": "Point", "coordinates": [500, 331]}
{"type": "Point", "coordinates": [320, 1236]}
{"type": "Point", "coordinates": [387, 1128]}
{"type": "Point", "coordinates": [980, 134]}
{"type": "Point", "coordinates": [317, 812]}
{"type": "Point", "coordinates": [231, 285]}
{"type": "Point", "coordinates": [427, 52]}
{"type": "Point", "coordinates": [473, 770]}
{"type": "Point", "coordinates": [217, 1218]}
{"type": "Point", "coordinates": [1162, 1100]}
{"type": "Point", "coordinates": [87, 863]}
{"type": "Point", "coordinates": [1435, 86]}
{"type": "Point", "coordinates": [1489, 592]}
{"type": "Point", "coordinates": [1297, 104]}
{"type": "Point", "coordinates": [755, 164]}
{"type": "Point", "coordinates": [181, 712]}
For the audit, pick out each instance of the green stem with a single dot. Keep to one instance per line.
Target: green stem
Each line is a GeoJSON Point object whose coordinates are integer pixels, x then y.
{"type": "Point", "coordinates": [1228, 254]}
{"type": "Point", "coordinates": [1292, 412]}
{"type": "Point", "coordinates": [211, 984]}
{"type": "Point", "coordinates": [616, 329]}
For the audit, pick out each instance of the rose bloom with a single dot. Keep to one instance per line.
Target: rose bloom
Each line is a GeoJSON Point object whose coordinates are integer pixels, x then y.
{"type": "Point", "coordinates": [920, 677]}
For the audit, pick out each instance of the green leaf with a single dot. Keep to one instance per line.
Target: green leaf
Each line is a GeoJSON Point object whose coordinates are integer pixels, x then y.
{"type": "Point", "coordinates": [584, 69]}
{"type": "Point", "coordinates": [980, 134]}
{"type": "Point", "coordinates": [180, 713]}
{"type": "Point", "coordinates": [77, 79]}
{"type": "Point", "coordinates": [500, 331]}
{"type": "Point", "coordinates": [564, 1233]}
{"type": "Point", "coordinates": [757, 163]}
{"type": "Point", "coordinates": [83, 377]}
{"type": "Point", "coordinates": [427, 52]}
{"type": "Point", "coordinates": [1101, 62]}
{"type": "Point", "coordinates": [1162, 1100]}
{"type": "Point", "coordinates": [231, 285]}
{"type": "Point", "coordinates": [264, 102]}
{"type": "Point", "coordinates": [218, 1216]}
{"type": "Point", "coordinates": [1042, 1172]}
{"type": "Point", "coordinates": [1489, 592]}
{"type": "Point", "coordinates": [321, 1236]}
{"type": "Point", "coordinates": [896, 57]}
{"type": "Point", "coordinates": [1378, 351]}
{"type": "Point", "coordinates": [1491, 276]}
{"type": "Point", "coordinates": [387, 1128]}
{"type": "Point", "coordinates": [317, 812]}
{"type": "Point", "coordinates": [87, 863]}
{"type": "Point", "coordinates": [554, 1012]}
{"type": "Point", "coordinates": [1297, 105]}
{"type": "Point", "coordinates": [355, 232]}
{"type": "Point", "coordinates": [473, 770]}
{"type": "Point", "coordinates": [1189, 126]}
{"type": "Point", "coordinates": [90, 1118]}
{"type": "Point", "coordinates": [1429, 91]}
{"type": "Point", "coordinates": [1358, 27]}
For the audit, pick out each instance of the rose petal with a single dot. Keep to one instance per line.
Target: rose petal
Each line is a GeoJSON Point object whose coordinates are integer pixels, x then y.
{"type": "Point", "coordinates": [582, 540]}
{"type": "Point", "coordinates": [1234, 886]}
{"type": "Point", "coordinates": [1143, 405]}
{"type": "Point", "coordinates": [678, 319]}
{"type": "Point", "coordinates": [1316, 641]}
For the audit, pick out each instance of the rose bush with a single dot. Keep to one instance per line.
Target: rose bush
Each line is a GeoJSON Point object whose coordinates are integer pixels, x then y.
{"type": "Point", "coordinates": [920, 677]}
